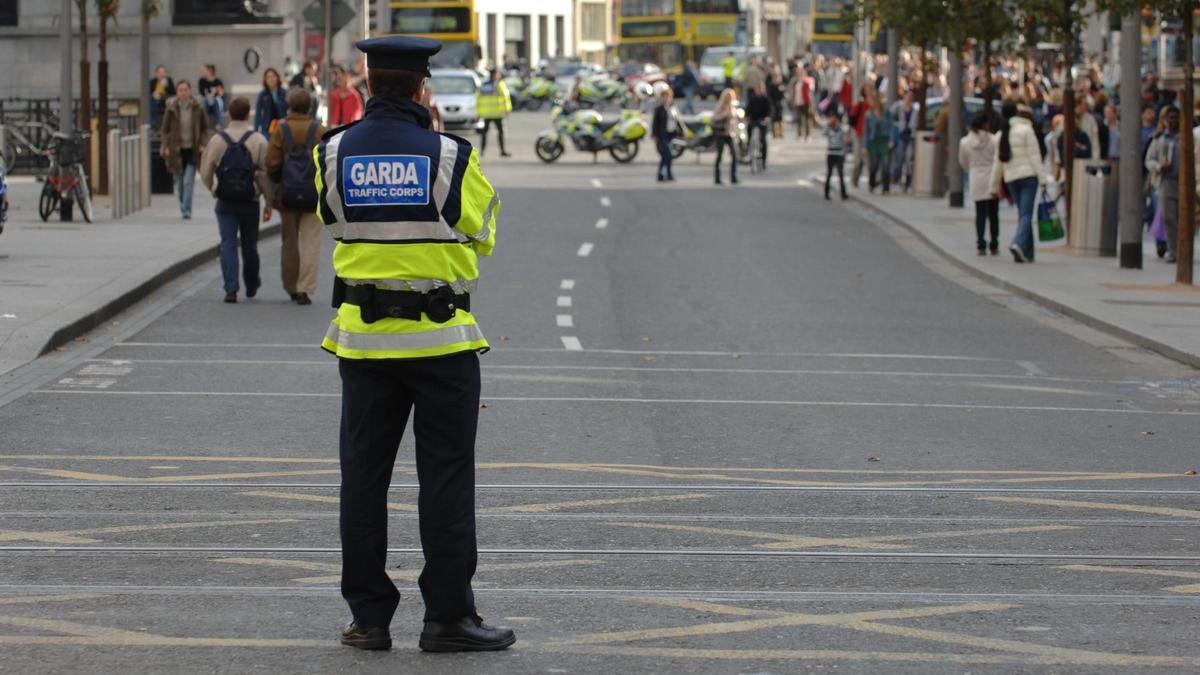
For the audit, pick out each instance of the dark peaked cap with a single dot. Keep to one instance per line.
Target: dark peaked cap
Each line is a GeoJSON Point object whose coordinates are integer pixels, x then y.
{"type": "Point", "coordinates": [399, 53]}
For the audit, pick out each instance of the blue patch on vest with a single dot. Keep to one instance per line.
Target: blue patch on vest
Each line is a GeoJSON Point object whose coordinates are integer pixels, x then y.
{"type": "Point", "coordinates": [385, 180]}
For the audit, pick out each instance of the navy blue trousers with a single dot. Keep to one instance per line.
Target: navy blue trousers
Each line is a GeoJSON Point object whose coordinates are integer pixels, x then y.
{"type": "Point", "coordinates": [377, 396]}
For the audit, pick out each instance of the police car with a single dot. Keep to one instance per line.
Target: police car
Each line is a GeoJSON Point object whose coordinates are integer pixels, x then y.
{"type": "Point", "coordinates": [454, 92]}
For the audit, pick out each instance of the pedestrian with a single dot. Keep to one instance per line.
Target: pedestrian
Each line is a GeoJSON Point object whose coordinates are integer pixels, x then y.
{"type": "Point", "coordinates": [837, 144]}
{"type": "Point", "coordinates": [271, 105]}
{"type": "Point", "coordinates": [725, 128]}
{"type": "Point", "coordinates": [493, 103]}
{"type": "Point", "coordinates": [345, 105]}
{"type": "Point", "coordinates": [407, 341]}
{"type": "Point", "coordinates": [688, 82]}
{"type": "Point", "coordinates": [729, 64]}
{"type": "Point", "coordinates": [777, 92]}
{"type": "Point", "coordinates": [1018, 163]}
{"type": "Point", "coordinates": [758, 118]}
{"type": "Point", "coordinates": [162, 89]}
{"type": "Point", "coordinates": [212, 91]}
{"type": "Point", "coordinates": [234, 169]}
{"type": "Point", "coordinates": [1163, 160]}
{"type": "Point", "coordinates": [904, 129]}
{"type": "Point", "coordinates": [1112, 122]}
{"type": "Point", "coordinates": [309, 79]}
{"type": "Point", "coordinates": [184, 132]}
{"type": "Point", "coordinates": [664, 129]}
{"type": "Point", "coordinates": [292, 172]}
{"type": "Point", "coordinates": [879, 145]}
{"type": "Point", "coordinates": [976, 155]}
{"type": "Point", "coordinates": [802, 99]}
{"type": "Point", "coordinates": [858, 120]}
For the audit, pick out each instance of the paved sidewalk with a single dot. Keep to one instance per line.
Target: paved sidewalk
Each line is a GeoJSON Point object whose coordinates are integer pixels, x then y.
{"type": "Point", "coordinates": [60, 280]}
{"type": "Point", "coordinates": [1142, 306]}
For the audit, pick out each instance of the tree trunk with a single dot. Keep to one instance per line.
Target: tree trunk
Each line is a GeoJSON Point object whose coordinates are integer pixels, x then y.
{"type": "Point", "coordinates": [954, 129]}
{"type": "Point", "coordinates": [102, 105]}
{"type": "Point", "coordinates": [1068, 145]}
{"type": "Point", "coordinates": [1187, 156]}
{"type": "Point", "coordinates": [84, 83]}
{"type": "Point", "coordinates": [987, 83]}
{"type": "Point", "coordinates": [922, 94]}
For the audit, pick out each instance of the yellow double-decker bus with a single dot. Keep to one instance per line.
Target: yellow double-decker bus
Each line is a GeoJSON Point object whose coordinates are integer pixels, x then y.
{"type": "Point", "coordinates": [668, 33]}
{"type": "Point", "coordinates": [832, 28]}
{"type": "Point", "coordinates": [450, 21]}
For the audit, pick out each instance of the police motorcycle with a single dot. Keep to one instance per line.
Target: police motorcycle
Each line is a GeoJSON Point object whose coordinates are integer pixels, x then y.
{"type": "Point", "coordinates": [589, 131]}
{"type": "Point", "coordinates": [537, 93]}
{"type": "Point", "coordinates": [699, 136]}
{"type": "Point", "coordinates": [597, 92]}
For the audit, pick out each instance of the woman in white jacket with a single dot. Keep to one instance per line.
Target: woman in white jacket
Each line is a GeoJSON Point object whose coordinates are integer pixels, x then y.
{"type": "Point", "coordinates": [976, 153]}
{"type": "Point", "coordinates": [1018, 162]}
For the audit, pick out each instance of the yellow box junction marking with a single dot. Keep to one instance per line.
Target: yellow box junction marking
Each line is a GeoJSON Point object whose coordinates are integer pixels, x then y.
{"type": "Point", "coordinates": [74, 537]}
{"type": "Point", "coordinates": [1149, 571]}
{"type": "Point", "coordinates": [743, 475]}
{"type": "Point", "coordinates": [547, 507]}
{"type": "Point", "coordinates": [78, 634]}
{"type": "Point", "coordinates": [1012, 651]}
{"type": "Point", "coordinates": [334, 570]}
{"type": "Point", "coordinates": [882, 542]}
{"type": "Point", "coordinates": [1100, 506]}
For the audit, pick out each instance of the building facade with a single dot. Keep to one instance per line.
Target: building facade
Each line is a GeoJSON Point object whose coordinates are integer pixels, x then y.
{"type": "Point", "coordinates": [525, 31]}
{"type": "Point", "coordinates": [594, 30]}
{"type": "Point", "coordinates": [186, 35]}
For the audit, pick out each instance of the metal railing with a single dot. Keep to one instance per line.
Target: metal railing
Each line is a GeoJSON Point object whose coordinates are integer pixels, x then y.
{"type": "Point", "coordinates": [37, 119]}
{"type": "Point", "coordinates": [129, 171]}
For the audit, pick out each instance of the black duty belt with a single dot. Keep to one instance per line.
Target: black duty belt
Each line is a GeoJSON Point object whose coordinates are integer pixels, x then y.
{"type": "Point", "coordinates": [440, 305]}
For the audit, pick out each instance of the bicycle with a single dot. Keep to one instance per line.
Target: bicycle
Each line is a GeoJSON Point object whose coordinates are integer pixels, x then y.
{"type": "Point", "coordinates": [67, 181]}
{"type": "Point", "coordinates": [758, 160]}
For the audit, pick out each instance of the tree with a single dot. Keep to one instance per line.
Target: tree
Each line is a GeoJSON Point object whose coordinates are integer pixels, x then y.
{"type": "Point", "coordinates": [1184, 11]}
{"type": "Point", "coordinates": [1061, 21]}
{"type": "Point", "coordinates": [106, 10]}
{"type": "Point", "coordinates": [85, 72]}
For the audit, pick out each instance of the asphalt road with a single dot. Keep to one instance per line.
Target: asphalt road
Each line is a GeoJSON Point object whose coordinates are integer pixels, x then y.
{"type": "Point", "coordinates": [725, 430]}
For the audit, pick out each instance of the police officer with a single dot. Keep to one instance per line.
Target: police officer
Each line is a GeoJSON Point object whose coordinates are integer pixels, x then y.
{"type": "Point", "coordinates": [410, 211]}
{"type": "Point", "coordinates": [493, 103]}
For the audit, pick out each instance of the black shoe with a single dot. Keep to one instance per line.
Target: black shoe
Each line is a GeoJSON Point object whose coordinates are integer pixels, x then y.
{"type": "Point", "coordinates": [372, 639]}
{"type": "Point", "coordinates": [468, 634]}
{"type": "Point", "coordinates": [294, 296]}
{"type": "Point", "coordinates": [994, 247]}
{"type": "Point", "coordinates": [231, 298]}
{"type": "Point", "coordinates": [826, 196]}
{"type": "Point", "coordinates": [252, 291]}
{"type": "Point", "coordinates": [661, 179]}
{"type": "Point", "coordinates": [982, 250]}
{"type": "Point", "coordinates": [718, 182]}
{"type": "Point", "coordinates": [735, 181]}
{"type": "Point", "coordinates": [303, 299]}
{"type": "Point", "coordinates": [505, 154]}
{"type": "Point", "coordinates": [1160, 247]}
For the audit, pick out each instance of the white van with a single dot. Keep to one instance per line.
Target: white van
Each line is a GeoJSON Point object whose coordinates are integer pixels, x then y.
{"type": "Point", "coordinates": [712, 74]}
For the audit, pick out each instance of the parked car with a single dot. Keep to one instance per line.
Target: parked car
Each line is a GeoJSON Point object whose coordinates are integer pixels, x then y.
{"type": "Point", "coordinates": [454, 92]}
{"type": "Point", "coordinates": [570, 75]}
{"type": "Point", "coordinates": [633, 74]}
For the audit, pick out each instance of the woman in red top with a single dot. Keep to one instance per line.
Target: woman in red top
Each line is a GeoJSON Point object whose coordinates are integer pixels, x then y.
{"type": "Point", "coordinates": [858, 118]}
{"type": "Point", "coordinates": [345, 105]}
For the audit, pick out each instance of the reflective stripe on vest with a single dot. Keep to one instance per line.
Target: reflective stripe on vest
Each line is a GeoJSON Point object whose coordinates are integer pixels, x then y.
{"type": "Point", "coordinates": [424, 232]}
{"type": "Point", "coordinates": [418, 285]}
{"type": "Point", "coordinates": [447, 337]}
{"type": "Point", "coordinates": [333, 195]}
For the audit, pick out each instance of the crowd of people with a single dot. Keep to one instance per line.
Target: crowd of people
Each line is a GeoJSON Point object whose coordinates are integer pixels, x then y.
{"type": "Point", "coordinates": [242, 160]}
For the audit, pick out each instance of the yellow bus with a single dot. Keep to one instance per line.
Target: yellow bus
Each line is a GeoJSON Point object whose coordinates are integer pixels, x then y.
{"type": "Point", "coordinates": [668, 33]}
{"type": "Point", "coordinates": [832, 28]}
{"type": "Point", "coordinates": [450, 21]}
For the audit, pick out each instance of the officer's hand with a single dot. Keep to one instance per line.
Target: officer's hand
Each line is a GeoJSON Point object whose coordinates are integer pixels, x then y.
{"type": "Point", "coordinates": [267, 214]}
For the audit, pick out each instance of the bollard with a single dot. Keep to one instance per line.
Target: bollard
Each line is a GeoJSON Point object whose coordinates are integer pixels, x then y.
{"type": "Point", "coordinates": [144, 165]}
{"type": "Point", "coordinates": [114, 176]}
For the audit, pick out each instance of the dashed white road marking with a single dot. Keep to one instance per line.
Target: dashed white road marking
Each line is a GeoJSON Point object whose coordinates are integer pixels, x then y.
{"type": "Point", "coordinates": [585, 249]}
{"type": "Point", "coordinates": [571, 343]}
{"type": "Point", "coordinates": [565, 321]}
{"type": "Point", "coordinates": [564, 301]}
{"type": "Point", "coordinates": [1032, 368]}
{"type": "Point", "coordinates": [596, 183]}
{"type": "Point", "coordinates": [605, 201]}
{"type": "Point", "coordinates": [602, 224]}
{"type": "Point", "coordinates": [567, 285]}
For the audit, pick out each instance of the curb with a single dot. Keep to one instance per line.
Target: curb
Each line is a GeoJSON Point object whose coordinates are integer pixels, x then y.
{"type": "Point", "coordinates": [94, 319]}
{"type": "Point", "coordinates": [1083, 317]}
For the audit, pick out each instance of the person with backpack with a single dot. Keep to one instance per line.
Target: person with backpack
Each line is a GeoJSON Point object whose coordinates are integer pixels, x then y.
{"type": "Point", "coordinates": [234, 170]}
{"type": "Point", "coordinates": [291, 168]}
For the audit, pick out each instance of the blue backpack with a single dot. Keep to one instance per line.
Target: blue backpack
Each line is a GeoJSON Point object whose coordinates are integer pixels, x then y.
{"type": "Point", "coordinates": [235, 173]}
{"type": "Point", "coordinates": [298, 188]}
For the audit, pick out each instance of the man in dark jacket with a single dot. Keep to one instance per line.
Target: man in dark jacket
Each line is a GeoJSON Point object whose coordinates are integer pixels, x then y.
{"type": "Point", "coordinates": [664, 128]}
{"type": "Point", "coordinates": [758, 114]}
